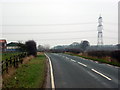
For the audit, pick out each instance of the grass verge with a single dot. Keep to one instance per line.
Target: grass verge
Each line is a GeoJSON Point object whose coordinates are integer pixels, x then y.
{"type": "Point", "coordinates": [30, 75]}
{"type": "Point", "coordinates": [96, 59]}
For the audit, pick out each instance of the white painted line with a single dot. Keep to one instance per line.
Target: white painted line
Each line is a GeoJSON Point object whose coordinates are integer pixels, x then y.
{"type": "Point", "coordinates": [73, 60]}
{"type": "Point", "coordinates": [67, 58]}
{"type": "Point", "coordinates": [96, 62]}
{"type": "Point", "coordinates": [101, 74]}
{"type": "Point", "coordinates": [82, 64]}
{"type": "Point", "coordinates": [51, 72]}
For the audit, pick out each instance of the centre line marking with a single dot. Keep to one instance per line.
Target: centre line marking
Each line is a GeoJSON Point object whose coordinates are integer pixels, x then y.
{"type": "Point", "coordinates": [82, 64]}
{"type": "Point", "coordinates": [101, 74]}
{"type": "Point", "coordinates": [73, 60]}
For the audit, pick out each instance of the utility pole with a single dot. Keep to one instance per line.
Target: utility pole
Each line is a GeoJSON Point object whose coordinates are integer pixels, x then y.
{"type": "Point", "coordinates": [100, 34]}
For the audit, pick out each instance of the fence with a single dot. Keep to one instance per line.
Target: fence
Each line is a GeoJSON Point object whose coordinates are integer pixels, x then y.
{"type": "Point", "coordinates": [12, 61]}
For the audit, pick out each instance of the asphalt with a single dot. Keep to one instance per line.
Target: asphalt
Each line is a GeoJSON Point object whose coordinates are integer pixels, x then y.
{"type": "Point", "coordinates": [75, 72]}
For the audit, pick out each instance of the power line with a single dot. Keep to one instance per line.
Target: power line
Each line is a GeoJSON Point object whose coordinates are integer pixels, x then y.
{"type": "Point", "coordinates": [50, 24]}
{"type": "Point", "coordinates": [110, 31]}
{"type": "Point", "coordinates": [63, 38]}
{"type": "Point", "coordinates": [106, 37]}
{"type": "Point", "coordinates": [49, 32]}
{"type": "Point", "coordinates": [84, 23]}
{"type": "Point", "coordinates": [88, 31]}
{"type": "Point", "coordinates": [110, 23]}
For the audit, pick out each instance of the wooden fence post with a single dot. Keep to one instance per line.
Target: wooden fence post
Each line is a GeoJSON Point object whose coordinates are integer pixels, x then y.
{"type": "Point", "coordinates": [17, 60]}
{"type": "Point", "coordinates": [6, 61]}
{"type": "Point", "coordinates": [2, 66]}
{"type": "Point", "coordinates": [20, 58]}
{"type": "Point", "coordinates": [10, 61]}
{"type": "Point", "coordinates": [14, 61]}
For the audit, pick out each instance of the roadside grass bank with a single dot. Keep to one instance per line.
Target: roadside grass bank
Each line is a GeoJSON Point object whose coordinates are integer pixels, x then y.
{"type": "Point", "coordinates": [29, 75]}
{"type": "Point", "coordinates": [95, 59]}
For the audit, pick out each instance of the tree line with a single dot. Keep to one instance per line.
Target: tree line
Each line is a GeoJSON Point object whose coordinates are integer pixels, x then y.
{"type": "Point", "coordinates": [75, 47]}
{"type": "Point", "coordinates": [29, 47]}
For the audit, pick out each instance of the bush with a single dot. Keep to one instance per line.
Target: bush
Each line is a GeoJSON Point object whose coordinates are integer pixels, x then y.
{"type": "Point", "coordinates": [76, 51]}
{"type": "Point", "coordinates": [31, 47]}
{"type": "Point", "coordinates": [99, 54]}
{"type": "Point", "coordinates": [116, 55]}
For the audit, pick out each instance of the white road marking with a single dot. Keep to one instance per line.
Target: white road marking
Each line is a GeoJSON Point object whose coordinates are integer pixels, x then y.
{"type": "Point", "coordinates": [82, 64]}
{"type": "Point", "coordinates": [96, 62]}
{"type": "Point", "coordinates": [67, 58]}
{"type": "Point", "coordinates": [51, 72]}
{"type": "Point", "coordinates": [73, 60]}
{"type": "Point", "coordinates": [101, 74]}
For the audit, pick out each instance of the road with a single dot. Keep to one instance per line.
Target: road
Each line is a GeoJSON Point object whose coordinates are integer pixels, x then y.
{"type": "Point", "coordinates": [75, 72]}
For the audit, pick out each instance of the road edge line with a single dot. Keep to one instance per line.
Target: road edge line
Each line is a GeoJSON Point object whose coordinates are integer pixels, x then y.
{"type": "Point", "coordinates": [51, 73]}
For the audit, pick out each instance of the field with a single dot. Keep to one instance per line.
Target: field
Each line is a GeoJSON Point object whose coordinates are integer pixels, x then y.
{"type": "Point", "coordinates": [7, 55]}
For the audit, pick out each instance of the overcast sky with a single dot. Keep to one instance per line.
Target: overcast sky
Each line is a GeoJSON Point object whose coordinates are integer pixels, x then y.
{"type": "Point", "coordinates": [58, 22]}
